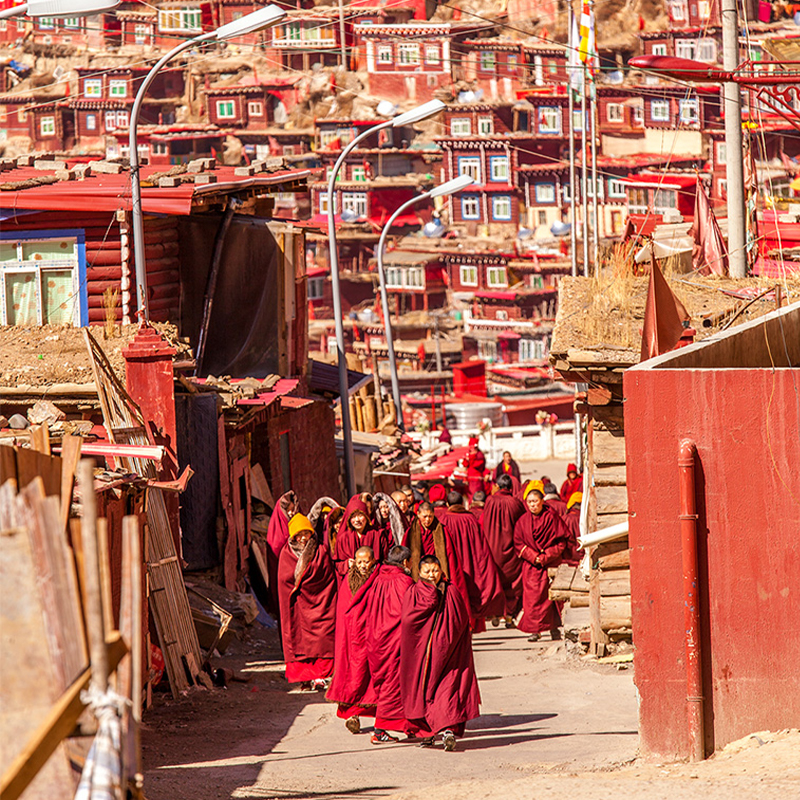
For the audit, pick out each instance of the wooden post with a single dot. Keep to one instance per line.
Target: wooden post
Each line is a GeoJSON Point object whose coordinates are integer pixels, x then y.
{"type": "Point", "coordinates": [132, 545]}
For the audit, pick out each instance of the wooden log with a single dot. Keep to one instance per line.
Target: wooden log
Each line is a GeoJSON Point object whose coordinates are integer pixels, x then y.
{"type": "Point", "coordinates": [360, 412]}
{"type": "Point", "coordinates": [563, 578]}
{"type": "Point", "coordinates": [615, 612]}
{"type": "Point", "coordinates": [560, 596]}
{"type": "Point", "coordinates": [161, 304]}
{"type": "Point", "coordinates": [580, 600]}
{"type": "Point", "coordinates": [353, 414]}
{"type": "Point", "coordinates": [113, 273]}
{"type": "Point", "coordinates": [611, 499]}
{"type": "Point", "coordinates": [611, 475]}
{"type": "Point", "coordinates": [579, 583]}
{"type": "Point", "coordinates": [161, 264]}
{"type": "Point", "coordinates": [615, 583]}
{"type": "Point", "coordinates": [615, 561]}
{"type": "Point", "coordinates": [608, 447]}
{"type": "Point", "coordinates": [607, 520]}
{"type": "Point", "coordinates": [169, 276]}
{"type": "Point", "coordinates": [171, 290]}
{"type": "Point", "coordinates": [104, 258]}
{"type": "Point", "coordinates": [370, 413]}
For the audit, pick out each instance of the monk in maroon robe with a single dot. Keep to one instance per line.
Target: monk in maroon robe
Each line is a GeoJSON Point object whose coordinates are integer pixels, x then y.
{"type": "Point", "coordinates": [392, 581]}
{"type": "Point", "coordinates": [573, 483]}
{"type": "Point", "coordinates": [437, 673]}
{"type": "Point", "coordinates": [356, 531]}
{"type": "Point", "coordinates": [507, 467]}
{"type": "Point", "coordinates": [277, 536]}
{"type": "Point", "coordinates": [307, 595]}
{"type": "Point", "coordinates": [351, 686]}
{"type": "Point", "coordinates": [540, 538]}
{"type": "Point", "coordinates": [572, 519]}
{"type": "Point", "coordinates": [403, 503]}
{"type": "Point", "coordinates": [553, 499]}
{"type": "Point", "coordinates": [475, 458]}
{"type": "Point", "coordinates": [500, 516]}
{"type": "Point", "coordinates": [477, 505]}
{"type": "Point", "coordinates": [484, 589]}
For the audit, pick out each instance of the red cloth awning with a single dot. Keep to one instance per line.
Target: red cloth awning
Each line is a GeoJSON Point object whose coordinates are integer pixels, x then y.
{"type": "Point", "coordinates": [664, 180]}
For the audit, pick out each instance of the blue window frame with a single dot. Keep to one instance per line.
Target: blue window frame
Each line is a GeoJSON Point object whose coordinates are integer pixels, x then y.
{"type": "Point", "coordinates": [501, 207]}
{"type": "Point", "coordinates": [470, 206]}
{"type": "Point", "coordinates": [470, 165]}
{"type": "Point", "coordinates": [498, 169]}
{"type": "Point", "coordinates": [545, 193]}
{"type": "Point", "coordinates": [10, 265]}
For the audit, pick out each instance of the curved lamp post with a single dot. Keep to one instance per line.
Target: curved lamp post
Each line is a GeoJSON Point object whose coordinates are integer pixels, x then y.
{"type": "Point", "coordinates": [59, 8]}
{"type": "Point", "coordinates": [448, 188]}
{"type": "Point", "coordinates": [263, 18]}
{"type": "Point", "coordinates": [424, 111]}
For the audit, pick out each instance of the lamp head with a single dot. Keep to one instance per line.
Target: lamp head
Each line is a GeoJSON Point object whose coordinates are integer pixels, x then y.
{"type": "Point", "coordinates": [69, 8]}
{"type": "Point", "coordinates": [453, 186]}
{"type": "Point", "coordinates": [256, 21]}
{"type": "Point", "coordinates": [429, 109]}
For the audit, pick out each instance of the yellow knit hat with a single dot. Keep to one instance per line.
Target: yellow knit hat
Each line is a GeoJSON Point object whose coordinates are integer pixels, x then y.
{"type": "Point", "coordinates": [531, 486]}
{"type": "Point", "coordinates": [299, 523]}
{"type": "Point", "coordinates": [574, 499]}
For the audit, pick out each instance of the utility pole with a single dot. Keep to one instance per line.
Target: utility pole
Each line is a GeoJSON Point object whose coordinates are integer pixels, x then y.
{"type": "Point", "coordinates": [342, 42]}
{"type": "Point", "coordinates": [573, 228]}
{"type": "Point", "coordinates": [734, 148]}
{"type": "Point", "coordinates": [584, 174]}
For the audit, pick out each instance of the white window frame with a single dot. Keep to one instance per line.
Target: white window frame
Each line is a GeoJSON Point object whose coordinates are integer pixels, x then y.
{"type": "Point", "coordinates": [142, 34]}
{"type": "Point", "coordinates": [707, 50]}
{"type": "Point", "coordinates": [48, 129]}
{"type": "Point", "coordinates": [496, 277]}
{"type": "Point", "coordinates": [487, 61]}
{"type": "Point", "coordinates": [470, 199]}
{"type": "Point", "coordinates": [659, 49]}
{"type": "Point", "coordinates": [223, 103]}
{"type": "Point", "coordinates": [549, 119]}
{"type": "Point", "coordinates": [316, 288]}
{"type": "Point", "coordinates": [117, 87]}
{"type": "Point", "coordinates": [689, 111]}
{"type": "Point", "coordinates": [183, 19]}
{"type": "Point", "coordinates": [468, 274]}
{"type": "Point", "coordinates": [91, 122]}
{"type": "Point", "coordinates": [485, 126]}
{"type": "Point", "coordinates": [615, 112]}
{"type": "Point", "coordinates": [110, 120]}
{"type": "Point", "coordinates": [359, 173]}
{"type": "Point", "coordinates": [704, 9]}
{"type": "Point", "coordinates": [460, 126]}
{"type": "Point", "coordinates": [678, 11]}
{"type": "Point", "coordinates": [686, 48]}
{"type": "Point", "coordinates": [499, 169]}
{"type": "Point", "coordinates": [659, 195]}
{"type": "Point", "coordinates": [616, 188]}
{"type": "Point", "coordinates": [384, 54]}
{"type": "Point", "coordinates": [664, 111]}
{"type": "Point", "coordinates": [408, 54]}
{"type": "Point", "coordinates": [500, 203]}
{"type": "Point", "coordinates": [255, 108]}
{"type": "Point", "coordinates": [432, 55]}
{"type": "Point", "coordinates": [93, 87]}
{"type": "Point", "coordinates": [323, 202]}
{"type": "Point", "coordinates": [356, 202]}
{"type": "Point", "coordinates": [545, 193]}
{"type": "Point", "coordinates": [123, 119]}
{"type": "Point", "coordinates": [721, 155]}
{"type": "Point", "coordinates": [470, 165]}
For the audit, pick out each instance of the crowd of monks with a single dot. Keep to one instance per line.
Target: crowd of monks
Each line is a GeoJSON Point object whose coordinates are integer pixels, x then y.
{"type": "Point", "coordinates": [378, 601]}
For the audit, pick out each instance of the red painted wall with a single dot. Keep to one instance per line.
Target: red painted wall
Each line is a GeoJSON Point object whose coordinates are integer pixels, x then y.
{"type": "Point", "coordinates": [745, 424]}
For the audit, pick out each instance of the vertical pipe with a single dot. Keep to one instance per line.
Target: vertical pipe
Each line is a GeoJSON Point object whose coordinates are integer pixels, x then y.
{"type": "Point", "coordinates": [584, 177]}
{"type": "Point", "coordinates": [573, 230]}
{"type": "Point", "coordinates": [691, 598]}
{"type": "Point", "coordinates": [595, 197]}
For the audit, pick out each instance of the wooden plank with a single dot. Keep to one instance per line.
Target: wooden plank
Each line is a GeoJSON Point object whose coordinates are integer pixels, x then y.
{"type": "Point", "coordinates": [579, 583]}
{"type": "Point", "coordinates": [8, 464]}
{"type": "Point", "coordinates": [260, 487]}
{"type": "Point", "coordinates": [609, 447]}
{"type": "Point", "coordinates": [40, 439]}
{"type": "Point", "coordinates": [615, 612]}
{"type": "Point", "coordinates": [607, 548]}
{"type": "Point", "coordinates": [614, 561]}
{"type": "Point", "coordinates": [32, 465]}
{"type": "Point", "coordinates": [608, 417]}
{"type": "Point", "coordinates": [563, 578]}
{"type": "Point", "coordinates": [611, 499]}
{"type": "Point", "coordinates": [579, 600]}
{"type": "Point", "coordinates": [59, 723]}
{"type": "Point", "coordinates": [611, 475]}
{"type": "Point", "coordinates": [615, 583]}
{"type": "Point", "coordinates": [607, 520]}
{"type": "Point", "coordinates": [70, 455]}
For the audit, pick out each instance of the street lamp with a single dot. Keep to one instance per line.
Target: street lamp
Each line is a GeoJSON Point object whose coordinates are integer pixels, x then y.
{"type": "Point", "coordinates": [59, 8]}
{"type": "Point", "coordinates": [258, 20]}
{"type": "Point", "coordinates": [448, 188]}
{"type": "Point", "coordinates": [417, 114]}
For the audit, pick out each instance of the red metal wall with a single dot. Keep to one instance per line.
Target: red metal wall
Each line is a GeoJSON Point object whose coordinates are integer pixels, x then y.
{"type": "Point", "coordinates": [745, 423]}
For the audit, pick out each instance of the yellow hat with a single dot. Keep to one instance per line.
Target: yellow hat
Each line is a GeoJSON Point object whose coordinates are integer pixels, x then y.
{"type": "Point", "coordinates": [574, 499]}
{"type": "Point", "coordinates": [299, 523]}
{"type": "Point", "coordinates": [538, 485]}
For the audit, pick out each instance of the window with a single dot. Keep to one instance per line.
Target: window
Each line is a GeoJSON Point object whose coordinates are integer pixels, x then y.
{"type": "Point", "coordinates": [498, 168]}
{"type": "Point", "coordinates": [532, 350]}
{"type": "Point", "coordinates": [659, 110]}
{"type": "Point", "coordinates": [689, 113]}
{"type": "Point", "coordinates": [111, 120]}
{"type": "Point", "coordinates": [408, 53]}
{"type": "Point", "coordinates": [315, 288]}
{"type": "Point", "coordinates": [469, 275]}
{"type": "Point", "coordinates": [225, 109]}
{"type": "Point", "coordinates": [93, 87]}
{"type": "Point", "coordinates": [615, 112]}
{"type": "Point", "coordinates": [541, 217]}
{"type": "Point", "coordinates": [487, 61]}
{"type": "Point", "coordinates": [485, 126]}
{"type": "Point", "coordinates": [470, 165]}
{"type": "Point", "coordinates": [72, 22]}
{"type": "Point", "coordinates": [722, 188]}
{"type": "Point", "coordinates": [460, 126]}
{"type": "Point", "coordinates": [394, 278]}
{"type": "Point", "coordinates": [501, 208]}
{"type": "Point", "coordinates": [91, 122]}
{"type": "Point", "coordinates": [685, 48]}
{"type": "Point", "coordinates": [47, 126]}
{"type": "Point", "coordinates": [487, 349]}
{"type": "Point", "coordinates": [677, 10]}
{"type": "Point", "coordinates": [160, 148]}
{"type": "Point", "coordinates": [255, 108]}
{"type": "Point", "coordinates": [22, 115]}
{"type": "Point", "coordinates": [323, 203]}
{"type": "Point", "coordinates": [659, 49]}
{"type": "Point", "coordinates": [637, 200]}
{"type": "Point", "coordinates": [39, 281]}
{"type": "Point", "coordinates": [470, 207]}
{"type": "Point", "coordinates": [512, 61]}
{"type": "Point", "coordinates": [704, 9]}
{"type": "Point", "coordinates": [616, 188]}
{"type": "Point", "coordinates": [545, 193]}
{"type": "Point", "coordinates": [141, 34]}
{"type": "Point", "coordinates": [722, 153]}
{"type": "Point", "coordinates": [665, 200]}
{"type": "Point", "coordinates": [431, 54]}
{"type": "Point", "coordinates": [566, 192]}
{"type": "Point", "coordinates": [638, 115]}
{"type": "Point", "coordinates": [549, 119]}
{"type": "Point", "coordinates": [707, 51]}
{"type": "Point", "coordinates": [355, 202]}
{"type": "Point", "coordinates": [496, 277]}
{"type": "Point", "coordinates": [359, 174]}
{"type": "Point", "coordinates": [405, 277]}
{"type": "Point", "coordinates": [118, 88]}
{"type": "Point", "coordinates": [46, 23]}
{"type": "Point", "coordinates": [326, 138]}
{"type": "Point", "coordinates": [385, 54]}
{"type": "Point", "coordinates": [180, 19]}
{"type": "Point", "coordinates": [577, 121]}
{"type": "Point", "coordinates": [122, 119]}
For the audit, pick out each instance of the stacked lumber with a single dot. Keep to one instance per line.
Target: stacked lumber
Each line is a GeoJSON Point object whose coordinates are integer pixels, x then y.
{"type": "Point", "coordinates": [614, 580]}
{"type": "Point", "coordinates": [569, 585]}
{"type": "Point", "coordinates": [370, 413]}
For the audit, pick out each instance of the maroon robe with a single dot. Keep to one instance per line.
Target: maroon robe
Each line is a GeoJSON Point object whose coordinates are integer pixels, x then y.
{"type": "Point", "coordinates": [383, 644]}
{"type": "Point", "coordinates": [558, 505]}
{"type": "Point", "coordinates": [571, 486]}
{"type": "Point", "coordinates": [484, 588]}
{"type": "Point", "coordinates": [347, 541]}
{"type": "Point", "coordinates": [543, 535]}
{"type": "Point", "coordinates": [501, 513]}
{"type": "Point", "coordinates": [351, 686]}
{"type": "Point", "coordinates": [277, 536]}
{"type": "Point", "coordinates": [572, 520]}
{"type": "Point", "coordinates": [308, 614]}
{"type": "Point", "coordinates": [512, 470]}
{"type": "Point", "coordinates": [477, 512]}
{"type": "Point", "coordinates": [437, 673]}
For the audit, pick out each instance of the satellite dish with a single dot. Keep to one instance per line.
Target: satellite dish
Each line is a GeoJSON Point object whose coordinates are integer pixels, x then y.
{"type": "Point", "coordinates": [348, 216]}
{"type": "Point", "coordinates": [559, 228]}
{"type": "Point", "coordinates": [524, 233]}
{"type": "Point", "coordinates": [59, 72]}
{"type": "Point", "coordinates": [386, 108]}
{"type": "Point", "coordinates": [433, 229]}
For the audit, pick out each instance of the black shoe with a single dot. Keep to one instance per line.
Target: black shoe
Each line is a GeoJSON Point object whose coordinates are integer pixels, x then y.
{"type": "Point", "coordinates": [534, 637]}
{"type": "Point", "coordinates": [426, 742]}
{"type": "Point", "coordinates": [555, 635]}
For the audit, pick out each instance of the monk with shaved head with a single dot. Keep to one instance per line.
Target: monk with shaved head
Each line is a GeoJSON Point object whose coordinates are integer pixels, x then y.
{"type": "Point", "coordinates": [352, 686]}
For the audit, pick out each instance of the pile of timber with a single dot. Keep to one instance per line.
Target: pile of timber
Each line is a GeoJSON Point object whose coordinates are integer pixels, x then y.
{"type": "Point", "coordinates": [569, 586]}
{"type": "Point", "coordinates": [369, 412]}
